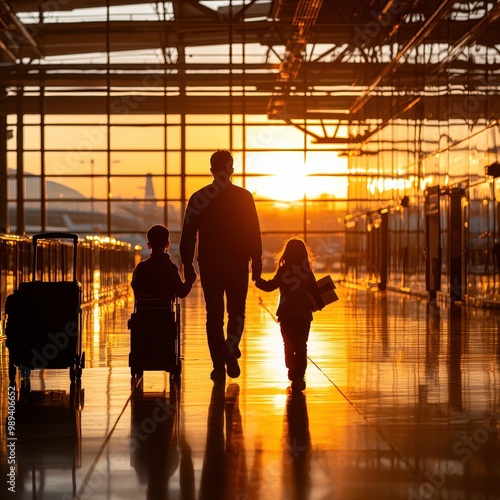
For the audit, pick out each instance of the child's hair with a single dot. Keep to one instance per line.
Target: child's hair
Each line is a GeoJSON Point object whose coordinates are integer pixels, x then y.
{"type": "Point", "coordinates": [295, 251]}
{"type": "Point", "coordinates": [158, 237]}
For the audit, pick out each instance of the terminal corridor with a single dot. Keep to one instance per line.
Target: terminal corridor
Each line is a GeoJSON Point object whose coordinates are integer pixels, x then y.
{"type": "Point", "coordinates": [402, 401]}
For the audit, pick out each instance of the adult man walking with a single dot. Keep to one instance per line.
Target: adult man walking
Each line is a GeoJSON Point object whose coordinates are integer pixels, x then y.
{"type": "Point", "coordinates": [224, 218]}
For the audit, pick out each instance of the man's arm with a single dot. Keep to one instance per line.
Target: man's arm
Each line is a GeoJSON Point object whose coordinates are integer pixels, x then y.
{"type": "Point", "coordinates": [188, 241]}
{"type": "Point", "coordinates": [182, 288]}
{"type": "Point", "coordinates": [254, 239]}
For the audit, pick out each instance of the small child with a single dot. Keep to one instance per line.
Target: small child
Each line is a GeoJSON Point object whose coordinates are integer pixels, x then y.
{"type": "Point", "coordinates": [294, 278]}
{"type": "Point", "coordinates": [158, 276]}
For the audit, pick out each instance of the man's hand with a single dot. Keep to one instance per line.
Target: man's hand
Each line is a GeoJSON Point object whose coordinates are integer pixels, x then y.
{"type": "Point", "coordinates": [256, 272]}
{"type": "Point", "coordinates": [189, 273]}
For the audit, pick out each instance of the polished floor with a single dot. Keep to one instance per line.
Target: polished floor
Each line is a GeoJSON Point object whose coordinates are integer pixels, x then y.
{"type": "Point", "coordinates": [402, 402]}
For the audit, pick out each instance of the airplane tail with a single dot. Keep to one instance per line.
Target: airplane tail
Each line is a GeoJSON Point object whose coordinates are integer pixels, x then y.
{"type": "Point", "coordinates": [150, 192]}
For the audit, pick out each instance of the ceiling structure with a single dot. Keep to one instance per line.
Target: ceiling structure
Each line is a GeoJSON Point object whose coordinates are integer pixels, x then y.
{"type": "Point", "coordinates": [345, 65]}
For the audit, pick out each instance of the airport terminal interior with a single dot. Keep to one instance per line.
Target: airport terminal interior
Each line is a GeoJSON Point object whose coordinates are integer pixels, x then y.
{"type": "Point", "coordinates": [369, 129]}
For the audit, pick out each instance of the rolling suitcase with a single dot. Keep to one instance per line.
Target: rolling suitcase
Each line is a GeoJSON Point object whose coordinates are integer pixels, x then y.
{"type": "Point", "coordinates": [44, 322]}
{"type": "Point", "coordinates": [155, 337]}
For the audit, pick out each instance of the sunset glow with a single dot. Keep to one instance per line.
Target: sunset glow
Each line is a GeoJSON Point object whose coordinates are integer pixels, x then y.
{"type": "Point", "coordinates": [291, 178]}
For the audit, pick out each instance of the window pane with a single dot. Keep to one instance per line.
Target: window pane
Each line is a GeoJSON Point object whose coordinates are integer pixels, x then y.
{"type": "Point", "coordinates": [138, 188]}
{"type": "Point", "coordinates": [209, 137]}
{"type": "Point", "coordinates": [279, 216]}
{"type": "Point", "coordinates": [173, 137]}
{"type": "Point", "coordinates": [130, 217]}
{"type": "Point", "coordinates": [75, 163]}
{"type": "Point", "coordinates": [77, 187]}
{"type": "Point", "coordinates": [198, 163]}
{"type": "Point", "coordinates": [32, 163]}
{"type": "Point", "coordinates": [173, 188]}
{"type": "Point", "coordinates": [84, 217]}
{"type": "Point", "coordinates": [137, 162]}
{"type": "Point", "coordinates": [82, 138]}
{"type": "Point", "coordinates": [137, 138]}
{"type": "Point", "coordinates": [31, 137]}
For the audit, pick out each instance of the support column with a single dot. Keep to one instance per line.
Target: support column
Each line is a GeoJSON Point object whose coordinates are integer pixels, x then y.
{"type": "Point", "coordinates": [20, 226]}
{"type": "Point", "coordinates": [182, 102]}
{"type": "Point", "coordinates": [4, 209]}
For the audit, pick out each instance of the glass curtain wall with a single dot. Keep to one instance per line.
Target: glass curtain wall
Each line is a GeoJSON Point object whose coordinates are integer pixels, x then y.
{"type": "Point", "coordinates": [446, 137]}
{"type": "Point", "coordinates": [123, 156]}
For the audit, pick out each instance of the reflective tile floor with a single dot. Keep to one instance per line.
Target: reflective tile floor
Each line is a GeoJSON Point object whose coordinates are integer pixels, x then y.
{"type": "Point", "coordinates": [402, 402]}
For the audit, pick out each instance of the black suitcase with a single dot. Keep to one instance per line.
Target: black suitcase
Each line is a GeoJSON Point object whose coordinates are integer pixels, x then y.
{"type": "Point", "coordinates": [44, 322]}
{"type": "Point", "coordinates": [155, 337]}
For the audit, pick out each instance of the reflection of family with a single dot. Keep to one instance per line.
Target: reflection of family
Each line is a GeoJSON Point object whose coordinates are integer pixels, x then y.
{"type": "Point", "coordinates": [222, 219]}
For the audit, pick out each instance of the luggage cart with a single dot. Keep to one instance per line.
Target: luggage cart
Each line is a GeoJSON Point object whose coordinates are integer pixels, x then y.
{"type": "Point", "coordinates": [155, 328]}
{"type": "Point", "coordinates": [44, 322]}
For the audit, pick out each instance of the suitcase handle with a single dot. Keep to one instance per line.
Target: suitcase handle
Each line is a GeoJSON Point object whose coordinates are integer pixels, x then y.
{"type": "Point", "coordinates": [51, 236]}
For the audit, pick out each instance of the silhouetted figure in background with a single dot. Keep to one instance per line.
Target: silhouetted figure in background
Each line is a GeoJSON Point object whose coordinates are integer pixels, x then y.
{"type": "Point", "coordinates": [295, 279]}
{"type": "Point", "coordinates": [224, 219]}
{"type": "Point", "coordinates": [158, 276]}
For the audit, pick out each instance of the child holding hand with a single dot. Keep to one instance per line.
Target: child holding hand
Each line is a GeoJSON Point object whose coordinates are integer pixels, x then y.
{"type": "Point", "coordinates": [294, 278]}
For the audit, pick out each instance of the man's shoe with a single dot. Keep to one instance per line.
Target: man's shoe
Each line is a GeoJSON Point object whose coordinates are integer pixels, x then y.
{"type": "Point", "coordinates": [233, 368]}
{"type": "Point", "coordinates": [218, 374]}
{"type": "Point", "coordinates": [298, 385]}
{"type": "Point", "coordinates": [233, 349]}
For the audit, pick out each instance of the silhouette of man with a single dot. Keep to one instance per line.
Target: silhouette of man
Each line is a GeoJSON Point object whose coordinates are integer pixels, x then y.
{"type": "Point", "coordinates": [224, 218]}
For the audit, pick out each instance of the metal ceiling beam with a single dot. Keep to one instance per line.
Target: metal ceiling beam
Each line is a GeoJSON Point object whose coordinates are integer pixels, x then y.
{"type": "Point", "coordinates": [441, 12]}
{"type": "Point", "coordinates": [472, 35]}
{"type": "Point", "coordinates": [37, 5]}
{"type": "Point", "coordinates": [323, 75]}
{"type": "Point", "coordinates": [57, 39]}
{"type": "Point", "coordinates": [304, 19]}
{"type": "Point", "coordinates": [24, 34]}
{"type": "Point", "coordinates": [252, 104]}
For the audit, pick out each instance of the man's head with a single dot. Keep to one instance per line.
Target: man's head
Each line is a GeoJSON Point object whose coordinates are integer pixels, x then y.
{"type": "Point", "coordinates": [158, 238]}
{"type": "Point", "coordinates": [221, 162]}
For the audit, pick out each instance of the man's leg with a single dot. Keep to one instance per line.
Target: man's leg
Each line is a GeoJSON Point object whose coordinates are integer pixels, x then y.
{"type": "Point", "coordinates": [236, 284]}
{"type": "Point", "coordinates": [214, 301]}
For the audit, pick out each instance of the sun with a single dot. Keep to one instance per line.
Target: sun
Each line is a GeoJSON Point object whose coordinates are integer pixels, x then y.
{"type": "Point", "coordinates": [290, 178]}
{"type": "Point", "coordinates": [289, 185]}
